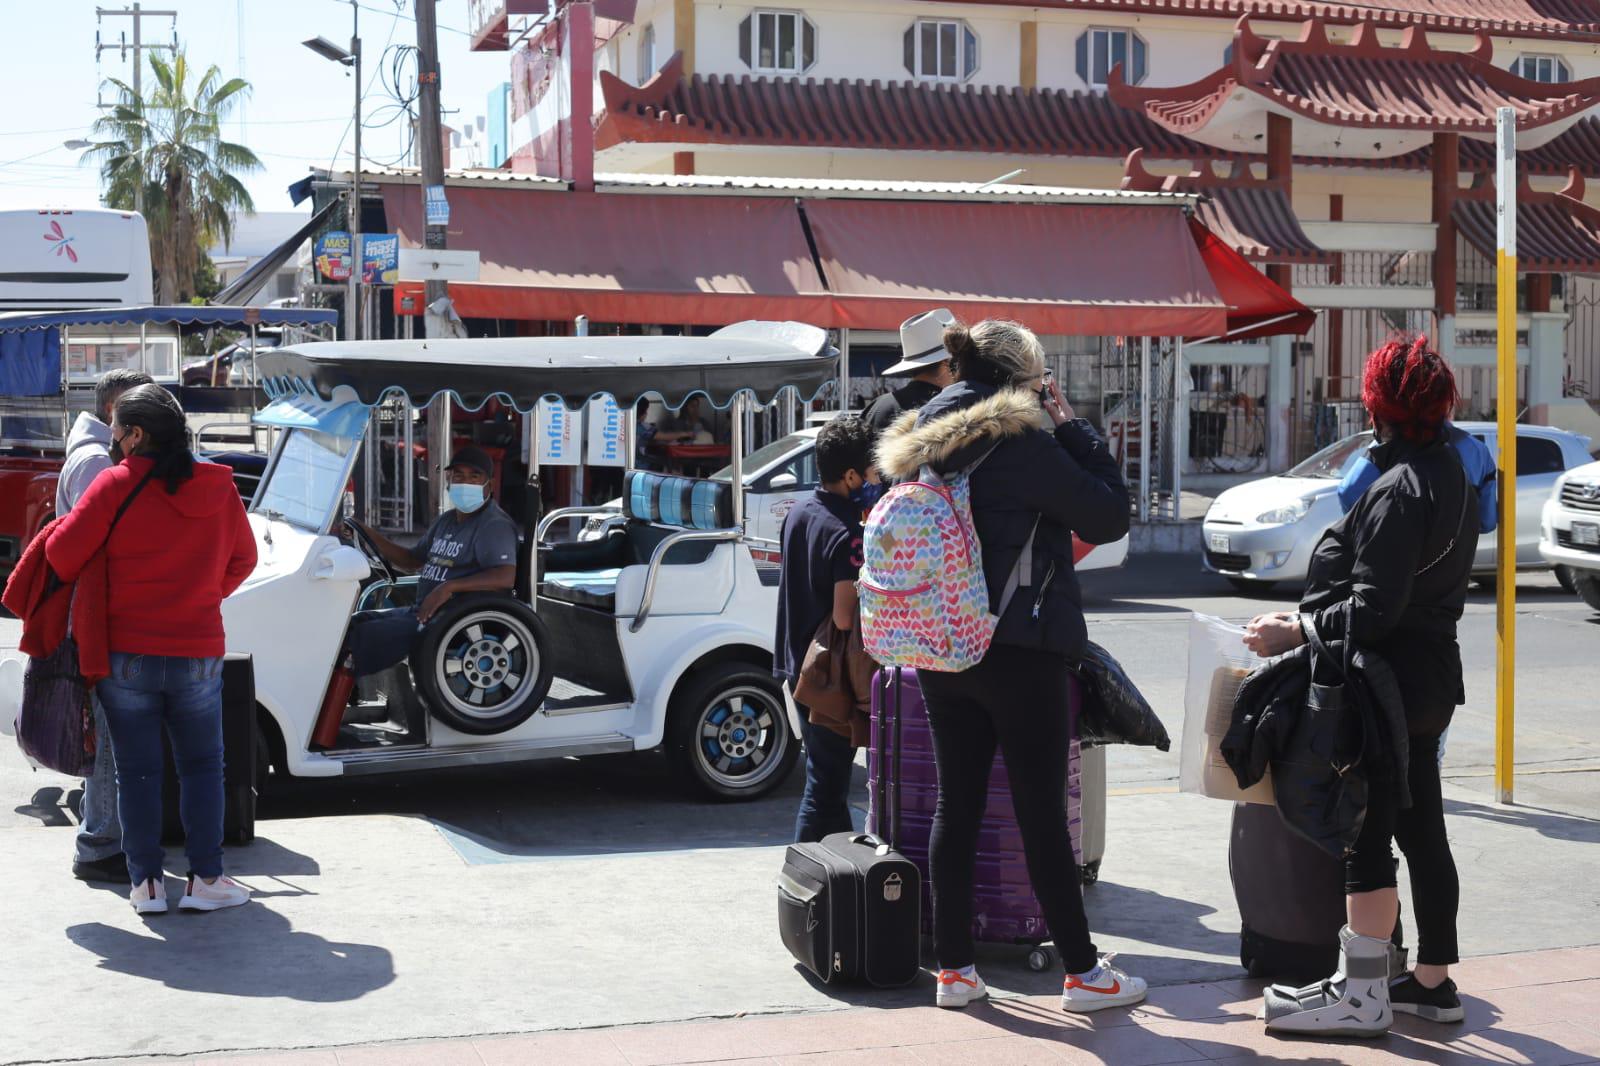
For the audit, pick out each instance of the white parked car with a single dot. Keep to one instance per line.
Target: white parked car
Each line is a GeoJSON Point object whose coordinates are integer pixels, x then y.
{"type": "Point", "coordinates": [660, 635]}
{"type": "Point", "coordinates": [1263, 532]}
{"type": "Point", "coordinates": [1570, 530]}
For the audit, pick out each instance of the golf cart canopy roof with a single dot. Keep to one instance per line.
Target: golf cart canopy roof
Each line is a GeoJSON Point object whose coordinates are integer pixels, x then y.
{"type": "Point", "coordinates": [187, 317]}
{"type": "Point", "coordinates": [759, 358]}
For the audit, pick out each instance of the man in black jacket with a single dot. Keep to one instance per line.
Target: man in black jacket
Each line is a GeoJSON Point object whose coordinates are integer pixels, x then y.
{"type": "Point", "coordinates": [924, 358]}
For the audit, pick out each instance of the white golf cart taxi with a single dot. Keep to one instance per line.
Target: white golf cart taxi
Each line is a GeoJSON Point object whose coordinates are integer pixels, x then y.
{"type": "Point", "coordinates": [658, 633]}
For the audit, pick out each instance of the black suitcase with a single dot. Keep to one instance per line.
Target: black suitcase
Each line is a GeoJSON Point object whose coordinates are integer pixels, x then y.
{"type": "Point", "coordinates": [1291, 899]}
{"type": "Point", "coordinates": [239, 757]}
{"type": "Point", "coordinates": [849, 907]}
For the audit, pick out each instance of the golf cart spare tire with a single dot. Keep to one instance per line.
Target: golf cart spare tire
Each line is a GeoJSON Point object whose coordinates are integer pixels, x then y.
{"type": "Point", "coordinates": [483, 664]}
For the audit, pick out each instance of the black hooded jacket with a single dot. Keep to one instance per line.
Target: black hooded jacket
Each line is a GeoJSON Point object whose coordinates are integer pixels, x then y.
{"type": "Point", "coordinates": [1402, 558]}
{"type": "Point", "coordinates": [1066, 482]}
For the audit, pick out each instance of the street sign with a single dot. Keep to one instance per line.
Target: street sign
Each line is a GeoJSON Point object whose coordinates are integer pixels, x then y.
{"type": "Point", "coordinates": [436, 208]}
{"type": "Point", "coordinates": [437, 264]}
{"type": "Point", "coordinates": [380, 258]}
{"type": "Point", "coordinates": [558, 442]}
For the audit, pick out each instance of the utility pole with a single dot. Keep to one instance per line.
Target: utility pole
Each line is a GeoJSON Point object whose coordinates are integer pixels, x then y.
{"type": "Point", "coordinates": [430, 158]}
{"type": "Point", "coordinates": [353, 309]}
{"type": "Point", "coordinates": [138, 15]}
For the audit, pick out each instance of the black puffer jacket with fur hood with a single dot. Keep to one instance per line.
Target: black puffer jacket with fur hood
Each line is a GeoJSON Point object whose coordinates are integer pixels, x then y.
{"type": "Point", "coordinates": [1066, 481]}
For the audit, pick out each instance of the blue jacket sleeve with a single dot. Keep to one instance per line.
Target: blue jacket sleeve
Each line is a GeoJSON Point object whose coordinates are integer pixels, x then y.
{"type": "Point", "coordinates": [1479, 464]}
{"type": "Point", "coordinates": [1360, 478]}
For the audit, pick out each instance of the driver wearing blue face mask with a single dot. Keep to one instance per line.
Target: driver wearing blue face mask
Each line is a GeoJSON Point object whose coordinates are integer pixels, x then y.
{"type": "Point", "coordinates": [472, 547]}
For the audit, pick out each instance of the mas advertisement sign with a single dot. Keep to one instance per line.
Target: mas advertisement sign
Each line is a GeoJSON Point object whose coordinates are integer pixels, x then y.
{"type": "Point", "coordinates": [333, 257]}
{"type": "Point", "coordinates": [380, 258]}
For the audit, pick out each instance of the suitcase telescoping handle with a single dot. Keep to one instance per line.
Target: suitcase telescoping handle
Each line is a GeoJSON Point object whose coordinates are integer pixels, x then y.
{"type": "Point", "coordinates": [889, 760]}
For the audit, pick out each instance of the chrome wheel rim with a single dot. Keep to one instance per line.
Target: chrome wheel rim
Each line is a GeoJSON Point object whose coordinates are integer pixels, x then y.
{"type": "Point", "coordinates": [486, 665]}
{"type": "Point", "coordinates": [740, 739]}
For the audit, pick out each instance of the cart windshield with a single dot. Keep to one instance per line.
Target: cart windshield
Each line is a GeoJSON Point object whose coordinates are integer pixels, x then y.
{"type": "Point", "coordinates": [306, 479]}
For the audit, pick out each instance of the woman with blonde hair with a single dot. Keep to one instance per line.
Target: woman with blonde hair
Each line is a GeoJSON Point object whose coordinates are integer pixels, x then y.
{"type": "Point", "coordinates": [1034, 489]}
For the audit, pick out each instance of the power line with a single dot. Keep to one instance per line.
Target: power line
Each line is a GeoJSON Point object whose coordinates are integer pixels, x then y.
{"type": "Point", "coordinates": [402, 14]}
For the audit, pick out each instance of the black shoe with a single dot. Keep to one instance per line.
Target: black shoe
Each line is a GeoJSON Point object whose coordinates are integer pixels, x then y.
{"type": "Point", "coordinates": [113, 869]}
{"type": "Point", "coordinates": [1441, 1004]}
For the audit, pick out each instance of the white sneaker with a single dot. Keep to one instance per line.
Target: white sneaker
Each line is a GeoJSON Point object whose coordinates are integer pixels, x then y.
{"type": "Point", "coordinates": [957, 989]}
{"type": "Point", "coordinates": [1109, 987]}
{"type": "Point", "coordinates": [149, 897]}
{"type": "Point", "coordinates": [202, 895]}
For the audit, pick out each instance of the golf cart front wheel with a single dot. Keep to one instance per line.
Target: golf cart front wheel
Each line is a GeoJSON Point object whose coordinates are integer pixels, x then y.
{"type": "Point", "coordinates": [483, 664]}
{"type": "Point", "coordinates": [728, 733]}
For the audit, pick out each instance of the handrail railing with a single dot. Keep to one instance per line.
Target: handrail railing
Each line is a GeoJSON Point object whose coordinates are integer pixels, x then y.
{"type": "Point", "coordinates": [569, 512]}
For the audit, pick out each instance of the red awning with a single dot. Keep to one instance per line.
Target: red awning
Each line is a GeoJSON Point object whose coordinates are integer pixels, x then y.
{"type": "Point", "coordinates": [1257, 305]}
{"type": "Point", "coordinates": [646, 258]}
{"type": "Point", "coordinates": [1079, 269]}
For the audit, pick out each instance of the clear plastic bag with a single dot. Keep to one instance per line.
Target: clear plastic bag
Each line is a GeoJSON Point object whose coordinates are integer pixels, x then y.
{"type": "Point", "coordinates": [1218, 663]}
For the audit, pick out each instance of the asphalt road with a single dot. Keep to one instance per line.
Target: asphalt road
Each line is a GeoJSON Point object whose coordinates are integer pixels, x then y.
{"type": "Point", "coordinates": [591, 892]}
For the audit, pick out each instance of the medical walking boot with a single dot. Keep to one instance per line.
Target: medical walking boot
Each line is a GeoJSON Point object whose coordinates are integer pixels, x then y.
{"type": "Point", "coordinates": [1353, 1002]}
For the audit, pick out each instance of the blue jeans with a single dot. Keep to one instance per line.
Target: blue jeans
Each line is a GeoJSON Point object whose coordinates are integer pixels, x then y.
{"type": "Point", "coordinates": [99, 831]}
{"type": "Point", "coordinates": [143, 694]}
{"type": "Point", "coordinates": [825, 806]}
{"type": "Point", "coordinates": [382, 638]}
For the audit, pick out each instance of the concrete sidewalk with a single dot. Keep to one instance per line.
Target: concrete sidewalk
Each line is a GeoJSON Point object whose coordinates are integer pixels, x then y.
{"type": "Point", "coordinates": [1531, 1008]}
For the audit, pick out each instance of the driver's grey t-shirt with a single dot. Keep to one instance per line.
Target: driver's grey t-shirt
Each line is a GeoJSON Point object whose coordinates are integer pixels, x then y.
{"type": "Point", "coordinates": [459, 545]}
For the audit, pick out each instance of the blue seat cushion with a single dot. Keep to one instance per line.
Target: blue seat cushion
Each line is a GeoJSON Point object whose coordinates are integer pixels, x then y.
{"type": "Point", "coordinates": [691, 503]}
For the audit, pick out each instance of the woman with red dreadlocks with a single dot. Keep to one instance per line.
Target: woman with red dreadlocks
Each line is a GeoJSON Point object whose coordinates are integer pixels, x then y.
{"type": "Point", "coordinates": [1391, 576]}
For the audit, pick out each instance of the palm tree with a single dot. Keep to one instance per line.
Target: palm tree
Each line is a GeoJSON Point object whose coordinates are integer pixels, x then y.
{"type": "Point", "coordinates": [171, 144]}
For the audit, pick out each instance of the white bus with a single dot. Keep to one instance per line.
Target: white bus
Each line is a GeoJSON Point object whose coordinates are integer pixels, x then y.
{"type": "Point", "coordinates": [57, 260]}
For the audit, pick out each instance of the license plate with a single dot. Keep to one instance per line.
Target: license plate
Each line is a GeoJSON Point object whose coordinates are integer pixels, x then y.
{"type": "Point", "coordinates": [1220, 543]}
{"type": "Point", "coordinates": [1586, 534]}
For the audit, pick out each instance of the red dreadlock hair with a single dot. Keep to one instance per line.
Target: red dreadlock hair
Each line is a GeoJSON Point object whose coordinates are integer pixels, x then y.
{"type": "Point", "coordinates": [1409, 387]}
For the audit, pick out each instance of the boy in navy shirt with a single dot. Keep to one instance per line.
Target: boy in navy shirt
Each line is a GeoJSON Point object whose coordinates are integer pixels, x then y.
{"type": "Point", "coordinates": [821, 560]}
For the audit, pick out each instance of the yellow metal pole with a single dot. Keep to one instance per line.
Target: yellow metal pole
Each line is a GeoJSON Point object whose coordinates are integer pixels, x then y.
{"type": "Point", "coordinates": [1506, 402]}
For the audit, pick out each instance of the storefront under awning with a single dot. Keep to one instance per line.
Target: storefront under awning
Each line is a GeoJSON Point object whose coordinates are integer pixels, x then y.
{"type": "Point", "coordinates": [1106, 266]}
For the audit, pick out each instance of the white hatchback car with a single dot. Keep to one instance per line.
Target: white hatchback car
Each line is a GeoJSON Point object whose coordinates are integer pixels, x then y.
{"type": "Point", "coordinates": [1262, 532]}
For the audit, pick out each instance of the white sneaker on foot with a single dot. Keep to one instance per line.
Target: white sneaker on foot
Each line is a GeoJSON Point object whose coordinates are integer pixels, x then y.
{"type": "Point", "coordinates": [203, 895]}
{"type": "Point", "coordinates": [1103, 987]}
{"type": "Point", "coordinates": [149, 897]}
{"type": "Point", "coordinates": [957, 988]}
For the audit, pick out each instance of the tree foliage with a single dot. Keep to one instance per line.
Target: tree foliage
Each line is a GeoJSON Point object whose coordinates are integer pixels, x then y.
{"type": "Point", "coordinates": [171, 144]}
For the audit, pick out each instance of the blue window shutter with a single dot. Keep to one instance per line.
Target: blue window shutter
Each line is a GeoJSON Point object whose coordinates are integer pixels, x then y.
{"type": "Point", "coordinates": [744, 39]}
{"type": "Point", "coordinates": [1083, 56]}
{"type": "Point", "coordinates": [969, 47]}
{"type": "Point", "coordinates": [1139, 56]}
{"type": "Point", "coordinates": [911, 50]}
{"type": "Point", "coordinates": [808, 43]}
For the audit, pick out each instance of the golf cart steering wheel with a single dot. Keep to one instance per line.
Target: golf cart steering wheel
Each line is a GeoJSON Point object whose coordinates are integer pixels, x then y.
{"type": "Point", "coordinates": [369, 548]}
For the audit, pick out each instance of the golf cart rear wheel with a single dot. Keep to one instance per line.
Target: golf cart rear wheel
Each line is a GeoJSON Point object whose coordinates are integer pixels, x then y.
{"type": "Point", "coordinates": [728, 733]}
{"type": "Point", "coordinates": [483, 664]}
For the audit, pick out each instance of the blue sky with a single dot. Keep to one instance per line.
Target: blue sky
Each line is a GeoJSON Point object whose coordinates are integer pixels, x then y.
{"type": "Point", "coordinates": [297, 115]}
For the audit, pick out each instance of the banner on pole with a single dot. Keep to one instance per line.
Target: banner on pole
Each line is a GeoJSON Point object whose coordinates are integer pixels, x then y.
{"type": "Point", "coordinates": [558, 440]}
{"type": "Point", "coordinates": [604, 432]}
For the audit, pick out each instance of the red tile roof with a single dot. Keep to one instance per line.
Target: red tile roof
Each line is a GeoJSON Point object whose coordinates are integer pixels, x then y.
{"type": "Point", "coordinates": [764, 112]}
{"type": "Point", "coordinates": [1363, 84]}
{"type": "Point", "coordinates": [1515, 18]}
{"type": "Point", "coordinates": [1557, 233]}
{"type": "Point", "coordinates": [861, 114]}
{"type": "Point", "coordinates": [1253, 216]}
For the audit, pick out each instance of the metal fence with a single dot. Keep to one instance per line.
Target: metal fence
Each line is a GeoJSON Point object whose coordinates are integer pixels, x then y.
{"type": "Point", "coordinates": [1227, 430]}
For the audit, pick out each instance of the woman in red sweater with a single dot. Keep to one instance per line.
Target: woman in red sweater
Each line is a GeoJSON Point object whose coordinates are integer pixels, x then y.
{"type": "Point", "coordinates": [181, 546]}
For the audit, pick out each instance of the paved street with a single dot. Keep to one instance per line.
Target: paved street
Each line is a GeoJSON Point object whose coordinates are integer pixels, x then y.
{"type": "Point", "coordinates": [587, 893]}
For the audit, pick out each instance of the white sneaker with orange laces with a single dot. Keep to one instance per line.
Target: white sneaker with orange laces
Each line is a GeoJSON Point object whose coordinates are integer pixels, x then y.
{"type": "Point", "coordinates": [1103, 987]}
{"type": "Point", "coordinates": [213, 895]}
{"type": "Point", "coordinates": [957, 988]}
{"type": "Point", "coordinates": [149, 897]}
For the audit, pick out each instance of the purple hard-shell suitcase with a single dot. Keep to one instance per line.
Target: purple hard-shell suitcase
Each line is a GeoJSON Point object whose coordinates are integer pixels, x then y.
{"type": "Point", "coordinates": [1004, 908]}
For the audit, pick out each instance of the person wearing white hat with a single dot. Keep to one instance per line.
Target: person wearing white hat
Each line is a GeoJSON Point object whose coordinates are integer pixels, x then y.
{"type": "Point", "coordinates": [924, 358]}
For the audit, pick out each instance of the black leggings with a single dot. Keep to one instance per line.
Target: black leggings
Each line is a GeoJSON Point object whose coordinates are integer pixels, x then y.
{"type": "Point", "coordinates": [1025, 702]}
{"type": "Point", "coordinates": [1420, 832]}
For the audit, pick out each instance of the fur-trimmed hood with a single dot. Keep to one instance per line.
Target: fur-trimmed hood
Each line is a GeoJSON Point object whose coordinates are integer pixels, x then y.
{"type": "Point", "coordinates": [954, 429]}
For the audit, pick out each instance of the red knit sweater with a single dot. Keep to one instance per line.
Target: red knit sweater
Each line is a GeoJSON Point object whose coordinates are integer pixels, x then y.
{"type": "Point", "coordinates": [170, 562]}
